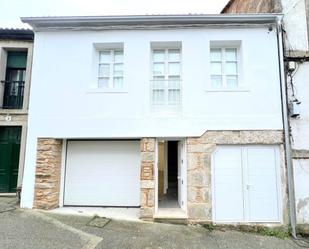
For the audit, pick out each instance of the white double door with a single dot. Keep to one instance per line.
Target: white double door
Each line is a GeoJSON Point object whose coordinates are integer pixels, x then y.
{"type": "Point", "coordinates": [246, 184]}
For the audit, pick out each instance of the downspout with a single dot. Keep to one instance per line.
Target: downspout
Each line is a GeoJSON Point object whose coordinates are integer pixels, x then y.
{"type": "Point", "coordinates": [286, 127]}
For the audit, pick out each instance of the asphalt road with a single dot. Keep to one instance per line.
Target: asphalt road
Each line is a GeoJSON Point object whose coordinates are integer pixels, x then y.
{"type": "Point", "coordinates": [23, 229]}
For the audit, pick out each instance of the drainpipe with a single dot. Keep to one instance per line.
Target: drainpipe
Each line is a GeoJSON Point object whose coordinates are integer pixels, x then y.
{"type": "Point", "coordinates": [286, 127]}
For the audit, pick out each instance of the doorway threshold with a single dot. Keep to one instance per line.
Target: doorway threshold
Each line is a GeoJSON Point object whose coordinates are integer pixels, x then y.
{"type": "Point", "coordinates": [171, 216]}
{"type": "Point", "coordinates": [168, 213]}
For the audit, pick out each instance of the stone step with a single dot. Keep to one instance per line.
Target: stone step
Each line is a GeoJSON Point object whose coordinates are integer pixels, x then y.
{"type": "Point", "coordinates": [175, 221]}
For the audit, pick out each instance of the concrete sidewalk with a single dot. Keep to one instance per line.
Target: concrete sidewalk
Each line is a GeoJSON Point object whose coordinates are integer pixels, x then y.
{"type": "Point", "coordinates": [128, 214]}
{"type": "Point", "coordinates": [28, 229]}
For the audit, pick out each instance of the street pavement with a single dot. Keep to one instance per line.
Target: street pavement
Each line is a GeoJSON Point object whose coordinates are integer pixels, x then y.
{"type": "Point", "coordinates": [30, 229]}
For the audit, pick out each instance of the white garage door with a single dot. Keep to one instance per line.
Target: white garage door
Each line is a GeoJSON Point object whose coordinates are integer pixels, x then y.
{"type": "Point", "coordinates": [102, 173]}
{"type": "Point", "coordinates": [246, 184]}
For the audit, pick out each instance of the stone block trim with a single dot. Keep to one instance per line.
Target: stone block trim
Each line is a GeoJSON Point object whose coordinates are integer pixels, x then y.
{"type": "Point", "coordinates": [300, 154]}
{"type": "Point", "coordinates": [48, 173]}
{"type": "Point", "coordinates": [147, 178]}
{"type": "Point", "coordinates": [199, 152]}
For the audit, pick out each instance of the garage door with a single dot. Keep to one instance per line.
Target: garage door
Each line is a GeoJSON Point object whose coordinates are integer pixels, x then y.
{"type": "Point", "coordinates": [246, 185]}
{"type": "Point", "coordinates": [102, 173]}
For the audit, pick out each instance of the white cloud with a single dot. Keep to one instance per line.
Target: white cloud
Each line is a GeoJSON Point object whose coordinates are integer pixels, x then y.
{"type": "Point", "coordinates": [12, 10]}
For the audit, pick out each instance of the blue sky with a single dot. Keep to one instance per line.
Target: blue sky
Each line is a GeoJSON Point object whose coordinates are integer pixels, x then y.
{"type": "Point", "coordinates": [12, 10]}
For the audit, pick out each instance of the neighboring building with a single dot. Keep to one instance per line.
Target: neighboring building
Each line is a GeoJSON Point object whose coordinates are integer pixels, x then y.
{"type": "Point", "coordinates": [296, 26]}
{"type": "Point", "coordinates": [15, 72]}
{"type": "Point", "coordinates": [178, 115]}
{"type": "Point", "coordinates": [252, 6]}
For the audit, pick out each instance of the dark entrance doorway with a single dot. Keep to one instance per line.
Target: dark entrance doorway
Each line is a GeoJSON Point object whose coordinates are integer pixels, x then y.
{"type": "Point", "coordinates": [172, 162]}
{"type": "Point", "coordinates": [170, 197]}
{"type": "Point", "coordinates": [10, 137]}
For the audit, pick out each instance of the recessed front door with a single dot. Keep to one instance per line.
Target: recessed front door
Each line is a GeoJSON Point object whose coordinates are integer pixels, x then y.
{"type": "Point", "coordinates": [171, 179]}
{"type": "Point", "coordinates": [9, 158]}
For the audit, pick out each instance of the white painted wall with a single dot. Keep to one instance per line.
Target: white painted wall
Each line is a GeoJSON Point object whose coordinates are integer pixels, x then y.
{"type": "Point", "coordinates": [63, 106]}
{"type": "Point", "coordinates": [295, 23]}
{"type": "Point", "coordinates": [301, 176]}
{"type": "Point", "coordinates": [300, 126]}
{"type": "Point", "coordinates": [300, 141]}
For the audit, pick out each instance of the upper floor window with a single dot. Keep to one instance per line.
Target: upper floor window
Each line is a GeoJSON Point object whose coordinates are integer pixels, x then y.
{"type": "Point", "coordinates": [166, 76]}
{"type": "Point", "coordinates": [224, 67]}
{"type": "Point", "coordinates": [12, 88]}
{"type": "Point", "coordinates": [110, 73]}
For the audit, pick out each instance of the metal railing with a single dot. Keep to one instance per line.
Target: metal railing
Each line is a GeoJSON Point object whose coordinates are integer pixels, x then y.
{"type": "Point", "coordinates": [13, 94]}
{"type": "Point", "coordinates": [165, 92]}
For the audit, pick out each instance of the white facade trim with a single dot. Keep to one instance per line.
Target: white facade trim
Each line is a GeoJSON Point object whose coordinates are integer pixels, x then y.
{"type": "Point", "coordinates": [63, 167]}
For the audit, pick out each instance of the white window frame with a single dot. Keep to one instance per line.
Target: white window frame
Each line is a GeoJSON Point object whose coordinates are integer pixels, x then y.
{"type": "Point", "coordinates": [166, 75]}
{"type": "Point", "coordinates": [93, 87]}
{"type": "Point", "coordinates": [227, 44]}
{"type": "Point", "coordinates": [223, 62]}
{"type": "Point", "coordinates": [111, 69]}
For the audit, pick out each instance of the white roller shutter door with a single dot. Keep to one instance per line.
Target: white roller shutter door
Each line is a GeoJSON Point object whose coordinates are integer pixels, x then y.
{"type": "Point", "coordinates": [102, 173]}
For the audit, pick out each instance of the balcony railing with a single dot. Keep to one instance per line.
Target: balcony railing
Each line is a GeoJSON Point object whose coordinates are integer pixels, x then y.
{"type": "Point", "coordinates": [165, 95]}
{"type": "Point", "coordinates": [13, 94]}
{"type": "Point", "coordinates": [165, 92]}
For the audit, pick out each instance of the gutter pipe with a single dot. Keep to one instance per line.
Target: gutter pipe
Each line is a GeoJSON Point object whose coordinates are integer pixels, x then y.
{"type": "Point", "coordinates": [286, 127]}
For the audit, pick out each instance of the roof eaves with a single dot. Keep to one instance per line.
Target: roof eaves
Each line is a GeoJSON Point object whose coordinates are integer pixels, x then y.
{"type": "Point", "coordinates": [127, 20]}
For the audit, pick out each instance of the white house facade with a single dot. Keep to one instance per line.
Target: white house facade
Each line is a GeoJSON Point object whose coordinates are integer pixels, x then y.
{"type": "Point", "coordinates": [180, 116]}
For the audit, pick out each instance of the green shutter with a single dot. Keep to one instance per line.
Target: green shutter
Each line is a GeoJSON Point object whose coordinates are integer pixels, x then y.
{"type": "Point", "coordinates": [17, 59]}
{"type": "Point", "coordinates": [9, 157]}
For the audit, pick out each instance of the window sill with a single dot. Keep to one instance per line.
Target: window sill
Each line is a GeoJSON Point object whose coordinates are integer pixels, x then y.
{"type": "Point", "coordinates": [99, 90]}
{"type": "Point", "coordinates": [13, 111]}
{"type": "Point", "coordinates": [237, 89]}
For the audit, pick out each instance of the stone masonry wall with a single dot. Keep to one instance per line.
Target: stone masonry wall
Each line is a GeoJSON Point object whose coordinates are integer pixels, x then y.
{"type": "Point", "coordinates": [252, 6]}
{"type": "Point", "coordinates": [147, 178]}
{"type": "Point", "coordinates": [47, 175]}
{"type": "Point", "coordinates": [199, 151]}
